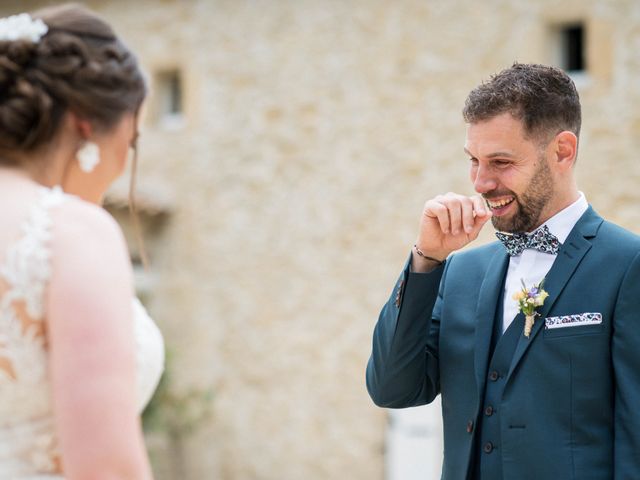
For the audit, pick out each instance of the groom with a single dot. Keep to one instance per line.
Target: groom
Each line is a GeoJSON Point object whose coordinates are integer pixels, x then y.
{"type": "Point", "coordinates": [558, 402]}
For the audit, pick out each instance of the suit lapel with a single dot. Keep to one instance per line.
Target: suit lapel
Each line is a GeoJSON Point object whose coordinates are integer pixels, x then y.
{"type": "Point", "coordinates": [490, 290]}
{"type": "Point", "coordinates": [568, 259]}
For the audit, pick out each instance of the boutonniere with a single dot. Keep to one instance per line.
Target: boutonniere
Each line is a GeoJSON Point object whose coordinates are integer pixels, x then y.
{"type": "Point", "coordinates": [528, 301]}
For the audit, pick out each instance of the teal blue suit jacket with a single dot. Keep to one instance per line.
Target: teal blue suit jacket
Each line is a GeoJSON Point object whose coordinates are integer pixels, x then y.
{"type": "Point", "coordinates": [571, 402]}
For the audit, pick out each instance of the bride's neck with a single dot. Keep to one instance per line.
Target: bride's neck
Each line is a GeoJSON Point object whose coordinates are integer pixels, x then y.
{"type": "Point", "coordinates": [47, 170]}
{"type": "Point", "coordinates": [14, 173]}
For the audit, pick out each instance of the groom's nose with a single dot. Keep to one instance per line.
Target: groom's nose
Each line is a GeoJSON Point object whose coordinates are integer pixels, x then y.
{"type": "Point", "coordinates": [483, 180]}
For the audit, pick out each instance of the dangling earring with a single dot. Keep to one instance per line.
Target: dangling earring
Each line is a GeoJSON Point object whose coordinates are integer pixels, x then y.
{"type": "Point", "coordinates": [88, 157]}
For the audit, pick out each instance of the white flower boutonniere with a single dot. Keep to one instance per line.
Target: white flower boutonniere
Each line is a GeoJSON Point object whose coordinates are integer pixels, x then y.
{"type": "Point", "coordinates": [528, 301]}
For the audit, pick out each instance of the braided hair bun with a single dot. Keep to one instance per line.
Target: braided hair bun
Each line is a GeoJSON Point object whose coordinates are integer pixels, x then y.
{"type": "Point", "coordinates": [79, 65]}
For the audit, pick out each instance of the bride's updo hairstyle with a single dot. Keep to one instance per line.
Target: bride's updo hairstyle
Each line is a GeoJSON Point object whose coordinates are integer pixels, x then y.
{"type": "Point", "coordinates": [78, 66]}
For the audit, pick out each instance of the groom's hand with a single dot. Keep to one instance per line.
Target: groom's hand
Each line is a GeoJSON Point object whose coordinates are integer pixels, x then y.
{"type": "Point", "coordinates": [448, 223]}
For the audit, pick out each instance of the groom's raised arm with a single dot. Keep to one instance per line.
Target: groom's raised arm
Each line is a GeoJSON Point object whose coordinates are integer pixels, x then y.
{"type": "Point", "coordinates": [403, 370]}
{"type": "Point", "coordinates": [403, 367]}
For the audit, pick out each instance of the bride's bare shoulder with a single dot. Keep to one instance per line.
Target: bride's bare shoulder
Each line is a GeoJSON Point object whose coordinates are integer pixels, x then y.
{"type": "Point", "coordinates": [76, 220]}
{"type": "Point", "coordinates": [86, 237]}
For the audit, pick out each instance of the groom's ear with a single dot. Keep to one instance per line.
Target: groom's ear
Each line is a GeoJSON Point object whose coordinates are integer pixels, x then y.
{"type": "Point", "coordinates": [565, 145]}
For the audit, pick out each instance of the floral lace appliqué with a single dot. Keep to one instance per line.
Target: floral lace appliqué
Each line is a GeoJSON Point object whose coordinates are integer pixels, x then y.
{"type": "Point", "coordinates": [25, 408]}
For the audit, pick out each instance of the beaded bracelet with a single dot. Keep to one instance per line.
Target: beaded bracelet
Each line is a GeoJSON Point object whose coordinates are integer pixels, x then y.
{"type": "Point", "coordinates": [419, 252]}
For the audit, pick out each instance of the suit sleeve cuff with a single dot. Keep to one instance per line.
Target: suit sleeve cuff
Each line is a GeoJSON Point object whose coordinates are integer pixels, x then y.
{"type": "Point", "coordinates": [420, 289]}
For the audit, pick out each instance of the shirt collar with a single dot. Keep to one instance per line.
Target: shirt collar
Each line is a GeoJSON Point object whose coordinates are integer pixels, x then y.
{"type": "Point", "coordinates": [563, 222]}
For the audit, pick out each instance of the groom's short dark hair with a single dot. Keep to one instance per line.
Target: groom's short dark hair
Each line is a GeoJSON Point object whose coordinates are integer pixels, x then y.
{"type": "Point", "coordinates": [544, 98]}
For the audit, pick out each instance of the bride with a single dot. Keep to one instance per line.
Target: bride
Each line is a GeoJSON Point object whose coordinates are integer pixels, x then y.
{"type": "Point", "coordinates": [78, 359]}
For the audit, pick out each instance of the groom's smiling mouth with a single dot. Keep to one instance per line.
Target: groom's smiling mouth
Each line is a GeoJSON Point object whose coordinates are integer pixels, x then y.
{"type": "Point", "coordinates": [499, 206]}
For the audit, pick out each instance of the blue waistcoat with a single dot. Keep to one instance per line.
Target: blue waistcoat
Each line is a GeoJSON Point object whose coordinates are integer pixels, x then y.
{"type": "Point", "coordinates": [488, 443]}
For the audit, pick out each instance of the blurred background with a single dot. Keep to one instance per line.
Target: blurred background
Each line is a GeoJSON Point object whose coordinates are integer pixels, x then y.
{"type": "Point", "coordinates": [287, 149]}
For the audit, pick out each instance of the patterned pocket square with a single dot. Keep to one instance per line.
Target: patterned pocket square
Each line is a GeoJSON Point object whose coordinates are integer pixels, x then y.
{"type": "Point", "coordinates": [575, 320]}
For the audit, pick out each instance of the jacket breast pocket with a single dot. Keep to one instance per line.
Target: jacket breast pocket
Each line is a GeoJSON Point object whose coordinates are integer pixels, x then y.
{"type": "Point", "coordinates": [588, 323]}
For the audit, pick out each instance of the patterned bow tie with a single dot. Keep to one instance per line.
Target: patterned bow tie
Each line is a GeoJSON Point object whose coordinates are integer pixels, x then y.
{"type": "Point", "coordinates": [541, 240]}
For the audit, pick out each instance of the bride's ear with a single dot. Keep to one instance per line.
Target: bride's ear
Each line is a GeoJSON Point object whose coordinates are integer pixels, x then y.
{"type": "Point", "coordinates": [82, 126]}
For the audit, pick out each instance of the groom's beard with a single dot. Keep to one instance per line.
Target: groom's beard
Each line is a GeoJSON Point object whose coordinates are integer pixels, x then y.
{"type": "Point", "coordinates": [529, 204]}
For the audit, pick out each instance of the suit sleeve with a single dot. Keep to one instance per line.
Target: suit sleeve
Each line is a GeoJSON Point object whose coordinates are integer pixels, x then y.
{"type": "Point", "coordinates": [625, 351]}
{"type": "Point", "coordinates": [403, 368]}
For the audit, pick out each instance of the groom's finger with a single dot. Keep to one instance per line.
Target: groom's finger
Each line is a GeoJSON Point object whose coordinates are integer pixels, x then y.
{"type": "Point", "coordinates": [467, 213]}
{"type": "Point", "coordinates": [436, 209]}
{"type": "Point", "coordinates": [479, 206]}
{"type": "Point", "coordinates": [480, 222]}
{"type": "Point", "coordinates": [455, 214]}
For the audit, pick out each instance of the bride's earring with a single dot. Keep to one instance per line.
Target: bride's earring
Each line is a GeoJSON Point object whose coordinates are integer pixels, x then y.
{"type": "Point", "coordinates": [88, 157]}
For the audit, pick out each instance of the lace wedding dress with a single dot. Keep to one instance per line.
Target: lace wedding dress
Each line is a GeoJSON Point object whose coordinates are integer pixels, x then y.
{"type": "Point", "coordinates": [28, 443]}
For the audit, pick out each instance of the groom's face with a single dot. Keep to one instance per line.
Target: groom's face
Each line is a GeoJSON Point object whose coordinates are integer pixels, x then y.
{"type": "Point", "coordinates": [511, 172]}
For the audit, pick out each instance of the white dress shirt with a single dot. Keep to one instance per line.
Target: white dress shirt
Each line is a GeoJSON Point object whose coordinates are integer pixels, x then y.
{"type": "Point", "coordinates": [532, 266]}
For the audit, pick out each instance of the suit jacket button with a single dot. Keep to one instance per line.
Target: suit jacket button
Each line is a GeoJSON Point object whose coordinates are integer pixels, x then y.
{"type": "Point", "coordinates": [488, 411]}
{"type": "Point", "coordinates": [487, 447]}
{"type": "Point", "coordinates": [493, 376]}
{"type": "Point", "coordinates": [470, 426]}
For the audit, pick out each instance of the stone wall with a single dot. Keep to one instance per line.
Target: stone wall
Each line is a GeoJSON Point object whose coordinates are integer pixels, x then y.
{"type": "Point", "coordinates": [314, 131]}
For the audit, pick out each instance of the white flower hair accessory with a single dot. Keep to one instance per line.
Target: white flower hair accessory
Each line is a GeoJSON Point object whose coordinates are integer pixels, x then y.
{"type": "Point", "coordinates": [22, 27]}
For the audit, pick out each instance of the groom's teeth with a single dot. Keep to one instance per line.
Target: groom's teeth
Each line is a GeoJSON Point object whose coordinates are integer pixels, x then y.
{"type": "Point", "coordinates": [500, 203]}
